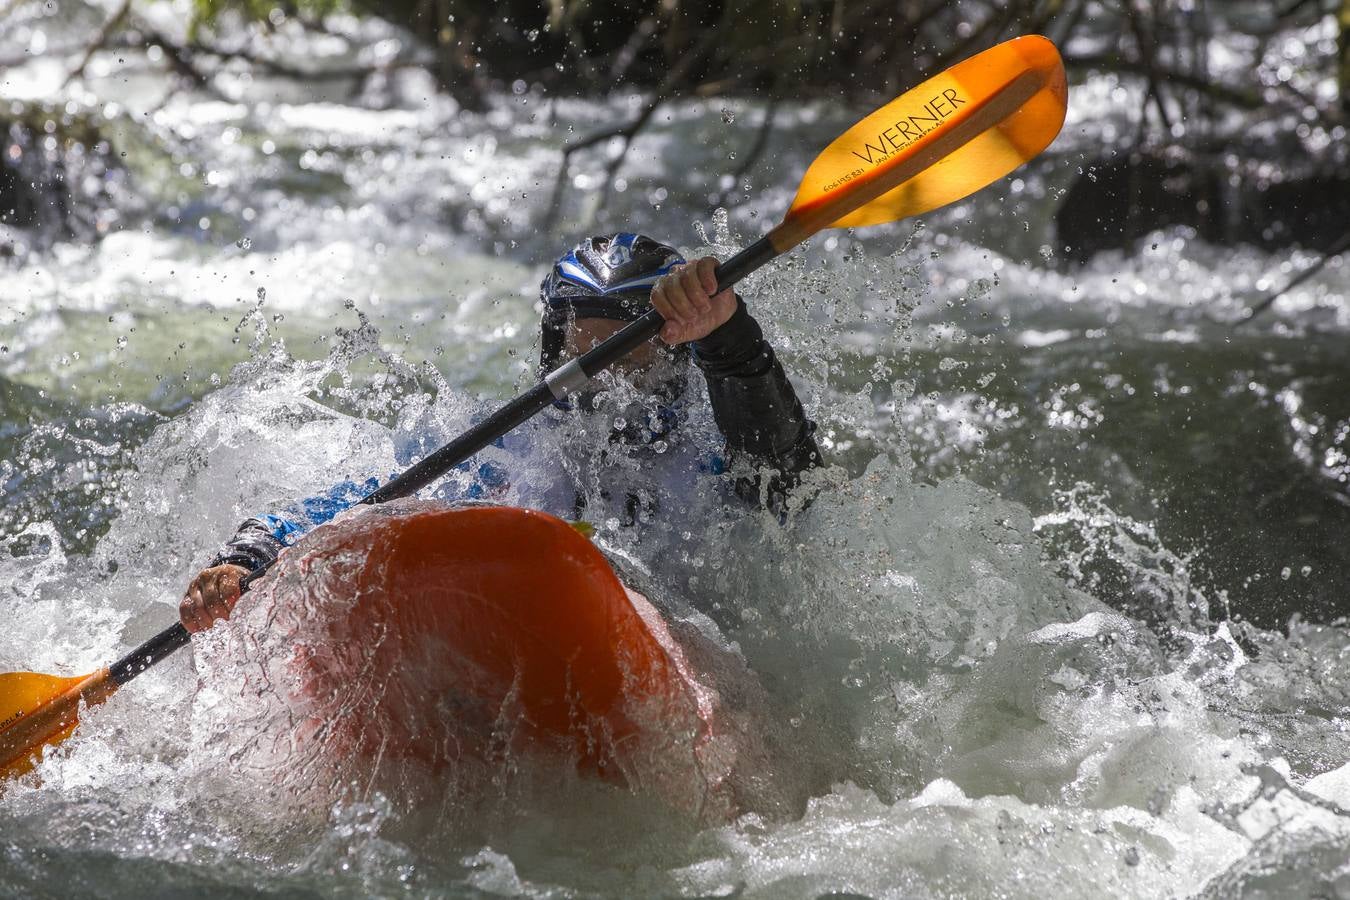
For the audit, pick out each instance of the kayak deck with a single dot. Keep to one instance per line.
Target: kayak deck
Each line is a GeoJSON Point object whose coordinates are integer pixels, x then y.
{"type": "Point", "coordinates": [453, 636]}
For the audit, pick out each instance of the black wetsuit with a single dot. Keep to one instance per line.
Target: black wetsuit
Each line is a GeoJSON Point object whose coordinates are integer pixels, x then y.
{"type": "Point", "coordinates": [756, 407]}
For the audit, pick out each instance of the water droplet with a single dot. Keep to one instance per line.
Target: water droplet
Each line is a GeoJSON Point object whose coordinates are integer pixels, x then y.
{"type": "Point", "coordinates": [721, 226]}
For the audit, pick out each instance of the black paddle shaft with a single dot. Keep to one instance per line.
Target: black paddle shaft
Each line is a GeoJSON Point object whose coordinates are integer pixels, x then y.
{"type": "Point", "coordinates": [554, 387]}
{"type": "Point", "coordinates": [586, 366]}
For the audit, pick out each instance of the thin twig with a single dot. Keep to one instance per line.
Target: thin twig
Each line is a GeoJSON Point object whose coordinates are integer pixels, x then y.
{"type": "Point", "coordinates": [1068, 24]}
{"type": "Point", "coordinates": [753, 155]}
{"type": "Point", "coordinates": [1148, 59]}
{"type": "Point", "coordinates": [984, 33]}
{"type": "Point", "coordinates": [180, 60]}
{"type": "Point", "coordinates": [628, 132]}
{"type": "Point", "coordinates": [625, 131]}
{"type": "Point", "coordinates": [1268, 301]}
{"type": "Point", "coordinates": [276, 67]}
{"type": "Point", "coordinates": [617, 162]}
{"type": "Point", "coordinates": [97, 43]}
{"type": "Point", "coordinates": [1111, 61]}
{"type": "Point", "coordinates": [1295, 6]}
{"type": "Point", "coordinates": [1038, 22]}
{"type": "Point", "coordinates": [628, 53]}
{"type": "Point", "coordinates": [575, 42]}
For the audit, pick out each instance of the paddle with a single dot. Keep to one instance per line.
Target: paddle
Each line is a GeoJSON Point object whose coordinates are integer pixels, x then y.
{"type": "Point", "coordinates": [943, 140]}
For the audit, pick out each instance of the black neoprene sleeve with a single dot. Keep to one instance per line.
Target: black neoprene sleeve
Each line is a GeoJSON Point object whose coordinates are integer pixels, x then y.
{"type": "Point", "coordinates": [754, 404]}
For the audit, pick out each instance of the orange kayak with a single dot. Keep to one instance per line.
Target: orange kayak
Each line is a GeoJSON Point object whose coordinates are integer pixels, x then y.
{"type": "Point", "coordinates": [440, 637]}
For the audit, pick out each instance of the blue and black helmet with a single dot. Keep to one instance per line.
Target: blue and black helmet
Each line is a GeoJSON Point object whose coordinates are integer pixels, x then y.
{"type": "Point", "coordinates": [604, 277]}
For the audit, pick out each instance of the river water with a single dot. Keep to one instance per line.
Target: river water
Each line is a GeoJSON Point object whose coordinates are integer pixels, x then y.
{"type": "Point", "coordinates": [1063, 616]}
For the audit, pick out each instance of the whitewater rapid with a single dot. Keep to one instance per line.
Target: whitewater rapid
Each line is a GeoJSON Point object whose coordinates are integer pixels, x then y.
{"type": "Point", "coordinates": [1000, 644]}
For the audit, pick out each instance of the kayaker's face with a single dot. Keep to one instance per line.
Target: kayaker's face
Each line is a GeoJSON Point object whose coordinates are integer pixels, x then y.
{"type": "Point", "coordinates": [647, 360]}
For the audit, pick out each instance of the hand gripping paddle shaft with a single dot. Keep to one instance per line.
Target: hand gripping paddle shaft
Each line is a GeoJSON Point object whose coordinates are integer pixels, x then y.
{"type": "Point", "coordinates": [942, 141]}
{"type": "Point", "coordinates": [933, 145]}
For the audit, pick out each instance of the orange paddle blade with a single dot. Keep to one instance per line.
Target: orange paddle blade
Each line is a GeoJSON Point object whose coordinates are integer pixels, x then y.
{"type": "Point", "coordinates": [38, 711]}
{"type": "Point", "coordinates": [945, 139]}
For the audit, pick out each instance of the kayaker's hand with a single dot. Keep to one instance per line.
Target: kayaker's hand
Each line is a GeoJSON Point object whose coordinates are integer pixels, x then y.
{"type": "Point", "coordinates": [684, 299]}
{"type": "Point", "coordinates": [211, 596]}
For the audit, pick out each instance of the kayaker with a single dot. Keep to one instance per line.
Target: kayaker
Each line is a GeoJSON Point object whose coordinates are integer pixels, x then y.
{"type": "Point", "coordinates": [653, 461]}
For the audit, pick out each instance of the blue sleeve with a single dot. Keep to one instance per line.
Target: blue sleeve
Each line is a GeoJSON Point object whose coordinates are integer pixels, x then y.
{"type": "Point", "coordinates": [300, 517]}
{"type": "Point", "coordinates": [259, 539]}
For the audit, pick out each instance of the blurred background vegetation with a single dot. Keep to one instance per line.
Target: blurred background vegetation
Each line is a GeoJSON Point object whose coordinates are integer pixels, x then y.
{"type": "Point", "coordinates": [1238, 108]}
{"type": "Point", "coordinates": [850, 48]}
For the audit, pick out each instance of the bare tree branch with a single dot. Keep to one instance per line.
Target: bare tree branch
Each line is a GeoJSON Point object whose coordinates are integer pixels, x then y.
{"type": "Point", "coordinates": [1268, 301]}
{"type": "Point", "coordinates": [97, 42]}
{"type": "Point", "coordinates": [628, 53]}
{"type": "Point", "coordinates": [180, 60]}
{"type": "Point", "coordinates": [752, 156]}
{"type": "Point", "coordinates": [629, 131]}
{"type": "Point", "coordinates": [1114, 62]}
{"type": "Point", "coordinates": [1148, 60]}
{"type": "Point", "coordinates": [1068, 23]}
{"type": "Point", "coordinates": [276, 67]}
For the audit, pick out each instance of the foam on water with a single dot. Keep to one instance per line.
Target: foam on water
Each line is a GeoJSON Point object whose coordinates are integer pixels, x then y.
{"type": "Point", "coordinates": [962, 719]}
{"type": "Point", "coordinates": [988, 659]}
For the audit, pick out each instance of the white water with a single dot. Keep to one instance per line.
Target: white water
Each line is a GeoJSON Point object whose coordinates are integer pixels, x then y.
{"type": "Point", "coordinates": [980, 692]}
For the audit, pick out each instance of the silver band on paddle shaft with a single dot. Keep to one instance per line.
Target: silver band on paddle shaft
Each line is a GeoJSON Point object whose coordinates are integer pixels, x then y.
{"type": "Point", "coordinates": [566, 379]}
